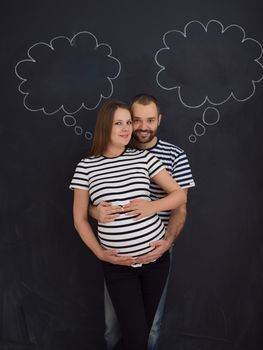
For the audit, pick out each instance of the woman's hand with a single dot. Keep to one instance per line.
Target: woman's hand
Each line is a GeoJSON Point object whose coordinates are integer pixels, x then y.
{"type": "Point", "coordinates": [111, 256]}
{"type": "Point", "coordinates": [106, 212]}
{"type": "Point", "coordinates": [139, 208]}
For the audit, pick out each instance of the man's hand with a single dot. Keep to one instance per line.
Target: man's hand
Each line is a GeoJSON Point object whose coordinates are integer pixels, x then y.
{"type": "Point", "coordinates": [106, 212]}
{"type": "Point", "coordinates": [111, 256]}
{"type": "Point", "coordinates": [160, 247]}
{"type": "Point", "coordinates": [139, 208]}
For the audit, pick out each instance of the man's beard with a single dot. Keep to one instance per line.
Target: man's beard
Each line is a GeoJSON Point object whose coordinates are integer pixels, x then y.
{"type": "Point", "coordinates": [148, 138]}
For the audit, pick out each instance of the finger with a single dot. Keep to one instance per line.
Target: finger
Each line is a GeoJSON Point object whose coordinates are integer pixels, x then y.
{"type": "Point", "coordinates": [124, 259]}
{"type": "Point", "coordinates": [105, 204]}
{"type": "Point", "coordinates": [111, 217]}
{"type": "Point", "coordinates": [144, 259]}
{"type": "Point", "coordinates": [156, 243]}
{"type": "Point", "coordinates": [108, 220]}
{"type": "Point", "coordinates": [113, 210]}
{"type": "Point", "coordinates": [120, 260]}
{"type": "Point", "coordinates": [127, 207]}
{"type": "Point", "coordinates": [147, 260]}
{"type": "Point", "coordinates": [139, 216]}
{"type": "Point", "coordinates": [111, 252]}
{"type": "Point", "coordinates": [132, 212]}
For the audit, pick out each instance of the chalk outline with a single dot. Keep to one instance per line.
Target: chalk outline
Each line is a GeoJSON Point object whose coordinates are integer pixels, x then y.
{"type": "Point", "coordinates": [76, 128]}
{"type": "Point", "coordinates": [65, 122]}
{"type": "Point", "coordinates": [203, 127]}
{"type": "Point", "coordinates": [218, 116]}
{"type": "Point", "coordinates": [88, 135]}
{"type": "Point", "coordinates": [206, 29]}
{"type": "Point", "coordinates": [194, 138]}
{"type": "Point", "coordinates": [71, 41]}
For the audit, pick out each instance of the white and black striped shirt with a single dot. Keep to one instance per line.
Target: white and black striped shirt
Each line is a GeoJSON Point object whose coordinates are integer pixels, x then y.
{"type": "Point", "coordinates": [119, 180]}
{"type": "Point", "coordinates": [177, 165]}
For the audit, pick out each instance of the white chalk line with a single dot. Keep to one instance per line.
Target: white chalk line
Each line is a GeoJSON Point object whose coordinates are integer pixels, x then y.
{"type": "Point", "coordinates": [206, 99]}
{"type": "Point", "coordinates": [200, 129]}
{"type": "Point", "coordinates": [50, 45]}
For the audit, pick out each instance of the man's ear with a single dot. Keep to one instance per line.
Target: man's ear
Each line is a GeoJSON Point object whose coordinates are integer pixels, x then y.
{"type": "Point", "coordinates": [160, 117]}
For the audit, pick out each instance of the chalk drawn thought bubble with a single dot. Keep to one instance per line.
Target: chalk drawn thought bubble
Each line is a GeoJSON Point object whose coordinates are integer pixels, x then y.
{"type": "Point", "coordinates": [209, 63]}
{"type": "Point", "coordinates": [67, 74]}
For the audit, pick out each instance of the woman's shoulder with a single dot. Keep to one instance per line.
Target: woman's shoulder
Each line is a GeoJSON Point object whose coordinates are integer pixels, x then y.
{"type": "Point", "coordinates": [89, 160]}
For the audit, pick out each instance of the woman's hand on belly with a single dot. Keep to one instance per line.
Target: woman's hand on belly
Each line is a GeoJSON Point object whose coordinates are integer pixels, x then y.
{"type": "Point", "coordinates": [111, 256]}
{"type": "Point", "coordinates": [139, 208]}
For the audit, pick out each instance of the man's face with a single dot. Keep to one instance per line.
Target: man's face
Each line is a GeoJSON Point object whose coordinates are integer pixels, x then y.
{"type": "Point", "coordinates": [145, 122]}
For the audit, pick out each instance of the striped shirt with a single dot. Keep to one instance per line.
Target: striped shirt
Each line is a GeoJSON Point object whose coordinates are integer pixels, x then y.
{"type": "Point", "coordinates": [119, 180]}
{"type": "Point", "coordinates": [177, 165]}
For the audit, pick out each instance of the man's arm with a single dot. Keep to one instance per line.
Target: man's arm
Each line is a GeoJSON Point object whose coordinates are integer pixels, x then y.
{"type": "Point", "coordinates": [176, 223]}
{"type": "Point", "coordinates": [175, 226]}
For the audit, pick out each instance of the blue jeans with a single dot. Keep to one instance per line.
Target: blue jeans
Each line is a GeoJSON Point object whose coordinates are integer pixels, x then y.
{"type": "Point", "coordinates": [112, 333]}
{"type": "Point", "coordinates": [157, 322]}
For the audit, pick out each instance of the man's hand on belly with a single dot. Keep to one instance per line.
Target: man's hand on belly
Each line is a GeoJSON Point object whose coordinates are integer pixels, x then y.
{"type": "Point", "coordinates": [139, 208]}
{"type": "Point", "coordinates": [160, 247]}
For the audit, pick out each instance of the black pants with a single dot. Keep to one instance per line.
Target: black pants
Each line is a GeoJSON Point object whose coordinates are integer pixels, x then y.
{"type": "Point", "coordinates": [135, 293]}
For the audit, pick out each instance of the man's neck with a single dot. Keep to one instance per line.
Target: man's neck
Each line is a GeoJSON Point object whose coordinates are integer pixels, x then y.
{"type": "Point", "coordinates": [146, 145]}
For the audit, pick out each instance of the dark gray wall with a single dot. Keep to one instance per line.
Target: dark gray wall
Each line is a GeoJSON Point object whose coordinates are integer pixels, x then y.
{"type": "Point", "coordinates": [51, 294]}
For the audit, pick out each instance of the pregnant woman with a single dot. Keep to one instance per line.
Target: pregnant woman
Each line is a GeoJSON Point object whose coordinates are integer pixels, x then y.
{"type": "Point", "coordinates": [115, 173]}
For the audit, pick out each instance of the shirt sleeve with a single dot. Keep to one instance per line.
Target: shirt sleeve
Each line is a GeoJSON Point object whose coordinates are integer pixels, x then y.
{"type": "Point", "coordinates": [154, 165]}
{"type": "Point", "coordinates": [181, 171]}
{"type": "Point", "coordinates": [80, 178]}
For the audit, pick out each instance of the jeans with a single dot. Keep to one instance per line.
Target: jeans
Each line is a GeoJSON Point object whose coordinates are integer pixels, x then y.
{"type": "Point", "coordinates": [135, 294]}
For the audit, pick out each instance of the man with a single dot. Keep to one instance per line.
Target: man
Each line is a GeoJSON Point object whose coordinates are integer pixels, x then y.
{"type": "Point", "coordinates": [146, 120]}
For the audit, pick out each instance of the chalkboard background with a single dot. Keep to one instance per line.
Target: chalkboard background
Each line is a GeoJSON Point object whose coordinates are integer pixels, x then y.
{"type": "Point", "coordinates": [51, 286]}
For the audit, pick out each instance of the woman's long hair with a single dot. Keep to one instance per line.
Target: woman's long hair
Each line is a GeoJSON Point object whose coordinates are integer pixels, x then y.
{"type": "Point", "coordinates": [103, 126]}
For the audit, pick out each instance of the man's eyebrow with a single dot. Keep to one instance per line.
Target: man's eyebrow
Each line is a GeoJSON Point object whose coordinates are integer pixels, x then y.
{"type": "Point", "coordinates": [135, 116]}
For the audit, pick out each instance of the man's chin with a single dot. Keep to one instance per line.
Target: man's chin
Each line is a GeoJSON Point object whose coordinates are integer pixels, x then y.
{"type": "Point", "coordinates": [143, 139]}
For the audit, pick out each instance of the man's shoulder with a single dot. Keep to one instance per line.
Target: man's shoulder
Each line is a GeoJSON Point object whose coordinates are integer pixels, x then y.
{"type": "Point", "coordinates": [168, 147]}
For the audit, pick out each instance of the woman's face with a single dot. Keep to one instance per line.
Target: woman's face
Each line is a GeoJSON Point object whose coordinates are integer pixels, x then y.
{"type": "Point", "coordinates": [121, 130]}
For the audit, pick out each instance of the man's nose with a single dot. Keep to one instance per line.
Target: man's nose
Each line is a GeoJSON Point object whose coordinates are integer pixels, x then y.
{"type": "Point", "coordinates": [143, 125]}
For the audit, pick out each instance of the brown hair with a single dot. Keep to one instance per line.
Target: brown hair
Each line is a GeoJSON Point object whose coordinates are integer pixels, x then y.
{"type": "Point", "coordinates": [146, 99]}
{"type": "Point", "coordinates": [103, 126]}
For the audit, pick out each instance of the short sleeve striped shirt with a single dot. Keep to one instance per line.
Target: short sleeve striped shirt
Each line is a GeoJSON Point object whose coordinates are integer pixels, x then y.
{"type": "Point", "coordinates": [119, 180]}
{"type": "Point", "coordinates": [177, 165]}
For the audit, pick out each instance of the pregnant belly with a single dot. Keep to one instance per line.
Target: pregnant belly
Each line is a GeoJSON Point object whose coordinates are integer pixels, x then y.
{"type": "Point", "coordinates": [131, 237]}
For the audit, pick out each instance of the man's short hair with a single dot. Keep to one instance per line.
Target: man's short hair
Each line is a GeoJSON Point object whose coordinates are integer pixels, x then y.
{"type": "Point", "coordinates": [146, 99]}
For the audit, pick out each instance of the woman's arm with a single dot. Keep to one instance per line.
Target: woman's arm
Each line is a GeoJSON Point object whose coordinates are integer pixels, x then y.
{"type": "Point", "coordinates": [80, 215]}
{"type": "Point", "coordinates": [80, 210]}
{"type": "Point", "coordinates": [175, 198]}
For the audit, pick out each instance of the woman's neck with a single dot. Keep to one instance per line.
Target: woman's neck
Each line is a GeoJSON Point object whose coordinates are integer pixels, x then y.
{"type": "Point", "coordinates": [112, 151]}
